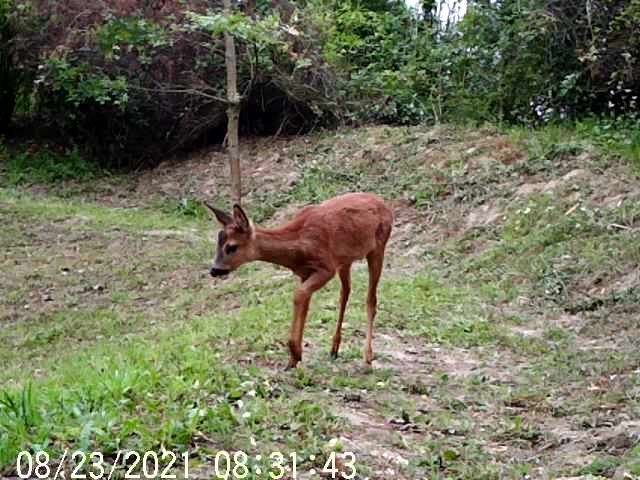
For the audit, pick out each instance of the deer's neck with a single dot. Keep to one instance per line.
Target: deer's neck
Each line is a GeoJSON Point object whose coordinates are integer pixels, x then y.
{"type": "Point", "coordinates": [279, 246]}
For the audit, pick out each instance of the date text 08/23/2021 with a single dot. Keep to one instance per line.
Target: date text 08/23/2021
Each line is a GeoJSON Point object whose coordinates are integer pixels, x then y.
{"type": "Point", "coordinates": [231, 465]}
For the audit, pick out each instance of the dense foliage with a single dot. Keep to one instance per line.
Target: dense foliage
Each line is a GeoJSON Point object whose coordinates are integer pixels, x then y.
{"type": "Point", "coordinates": [550, 59]}
{"type": "Point", "coordinates": [520, 61]}
{"type": "Point", "coordinates": [133, 80]}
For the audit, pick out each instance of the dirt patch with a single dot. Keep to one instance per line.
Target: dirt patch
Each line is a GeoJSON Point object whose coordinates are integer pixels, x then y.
{"type": "Point", "coordinates": [421, 361]}
{"type": "Point", "coordinates": [361, 419]}
{"type": "Point", "coordinates": [374, 441]}
{"type": "Point", "coordinates": [500, 148]}
{"type": "Point", "coordinates": [204, 175]}
{"type": "Point", "coordinates": [527, 332]}
{"type": "Point", "coordinates": [483, 215]}
{"type": "Point", "coordinates": [528, 189]}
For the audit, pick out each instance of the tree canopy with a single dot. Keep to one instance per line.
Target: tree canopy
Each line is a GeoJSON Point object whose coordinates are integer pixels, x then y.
{"type": "Point", "coordinates": [132, 80]}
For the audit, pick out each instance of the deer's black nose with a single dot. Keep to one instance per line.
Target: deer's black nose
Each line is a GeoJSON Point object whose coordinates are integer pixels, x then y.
{"type": "Point", "coordinates": [218, 272]}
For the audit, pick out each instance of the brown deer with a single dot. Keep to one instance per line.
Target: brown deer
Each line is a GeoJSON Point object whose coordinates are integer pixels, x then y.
{"type": "Point", "coordinates": [320, 241]}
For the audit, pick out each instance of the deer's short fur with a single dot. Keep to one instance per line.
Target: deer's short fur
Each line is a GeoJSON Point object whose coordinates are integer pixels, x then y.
{"type": "Point", "coordinates": [320, 241]}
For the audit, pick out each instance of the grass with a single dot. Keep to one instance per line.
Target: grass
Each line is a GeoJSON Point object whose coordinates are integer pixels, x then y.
{"type": "Point", "coordinates": [114, 338]}
{"type": "Point", "coordinates": [139, 219]}
{"type": "Point", "coordinates": [615, 139]}
{"type": "Point", "coordinates": [619, 137]}
{"type": "Point", "coordinates": [45, 166]}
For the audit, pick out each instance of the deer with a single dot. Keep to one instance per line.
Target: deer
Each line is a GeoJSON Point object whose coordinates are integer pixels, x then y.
{"type": "Point", "coordinates": [317, 242]}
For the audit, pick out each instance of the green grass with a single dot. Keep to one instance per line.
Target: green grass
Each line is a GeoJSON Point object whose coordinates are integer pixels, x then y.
{"type": "Point", "coordinates": [543, 250]}
{"type": "Point", "coordinates": [43, 165]}
{"type": "Point", "coordinates": [390, 162]}
{"type": "Point", "coordinates": [618, 137]}
{"type": "Point", "coordinates": [113, 336]}
{"type": "Point", "coordinates": [114, 380]}
{"type": "Point", "coordinates": [20, 204]}
{"type": "Point", "coordinates": [141, 393]}
{"type": "Point", "coordinates": [614, 139]}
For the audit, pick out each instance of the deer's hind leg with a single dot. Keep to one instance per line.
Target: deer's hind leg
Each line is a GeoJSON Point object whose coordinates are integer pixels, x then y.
{"type": "Point", "coordinates": [345, 280]}
{"type": "Point", "coordinates": [375, 260]}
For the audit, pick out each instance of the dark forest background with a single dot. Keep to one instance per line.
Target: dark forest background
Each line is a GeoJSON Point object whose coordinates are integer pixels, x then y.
{"type": "Point", "coordinates": [130, 81]}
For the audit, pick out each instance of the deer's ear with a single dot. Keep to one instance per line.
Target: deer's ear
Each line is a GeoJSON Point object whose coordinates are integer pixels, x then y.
{"type": "Point", "coordinates": [223, 217]}
{"type": "Point", "coordinates": [240, 218]}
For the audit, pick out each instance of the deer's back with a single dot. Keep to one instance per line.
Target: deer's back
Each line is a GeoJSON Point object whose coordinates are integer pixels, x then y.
{"type": "Point", "coordinates": [346, 228]}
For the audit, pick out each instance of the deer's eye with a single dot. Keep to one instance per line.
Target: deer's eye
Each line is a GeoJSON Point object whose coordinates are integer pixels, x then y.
{"type": "Point", "coordinates": [231, 249]}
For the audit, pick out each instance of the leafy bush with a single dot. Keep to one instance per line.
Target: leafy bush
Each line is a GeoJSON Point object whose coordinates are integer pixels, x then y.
{"type": "Point", "coordinates": [45, 166]}
{"type": "Point", "coordinates": [77, 85]}
{"type": "Point", "coordinates": [136, 33]}
{"type": "Point", "coordinates": [134, 82]}
{"type": "Point", "coordinates": [531, 61]}
{"type": "Point", "coordinates": [388, 64]}
{"type": "Point", "coordinates": [620, 136]}
{"type": "Point", "coordinates": [536, 61]}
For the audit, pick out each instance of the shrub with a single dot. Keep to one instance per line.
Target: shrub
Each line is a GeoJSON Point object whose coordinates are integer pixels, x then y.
{"type": "Point", "coordinates": [134, 81]}
{"type": "Point", "coordinates": [392, 70]}
{"type": "Point", "coordinates": [620, 136]}
{"type": "Point", "coordinates": [531, 61]}
{"type": "Point", "coordinates": [43, 165]}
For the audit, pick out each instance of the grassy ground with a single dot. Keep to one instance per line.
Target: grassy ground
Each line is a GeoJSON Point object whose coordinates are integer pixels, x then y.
{"type": "Point", "coordinates": [506, 339]}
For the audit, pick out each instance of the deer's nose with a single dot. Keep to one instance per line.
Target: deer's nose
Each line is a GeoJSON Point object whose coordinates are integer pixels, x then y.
{"type": "Point", "coordinates": [218, 272]}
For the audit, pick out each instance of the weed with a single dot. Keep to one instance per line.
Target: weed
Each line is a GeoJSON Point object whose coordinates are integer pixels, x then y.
{"type": "Point", "coordinates": [46, 166]}
{"type": "Point", "coordinates": [619, 137]}
{"type": "Point", "coordinates": [19, 415]}
{"type": "Point", "coordinates": [601, 466]}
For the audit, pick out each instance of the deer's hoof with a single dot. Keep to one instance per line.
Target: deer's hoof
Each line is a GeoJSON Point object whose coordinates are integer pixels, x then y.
{"type": "Point", "coordinates": [291, 365]}
{"type": "Point", "coordinates": [334, 355]}
{"type": "Point", "coordinates": [368, 360]}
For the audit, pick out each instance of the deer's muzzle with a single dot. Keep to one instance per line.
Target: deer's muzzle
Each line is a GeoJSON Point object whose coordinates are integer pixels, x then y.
{"type": "Point", "coordinates": [218, 272]}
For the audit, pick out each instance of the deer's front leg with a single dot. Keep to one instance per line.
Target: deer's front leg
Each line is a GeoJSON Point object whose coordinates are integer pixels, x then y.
{"type": "Point", "coordinates": [301, 300]}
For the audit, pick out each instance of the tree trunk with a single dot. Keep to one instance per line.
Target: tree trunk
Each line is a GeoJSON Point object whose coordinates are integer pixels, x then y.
{"type": "Point", "coordinates": [233, 111]}
{"type": "Point", "coordinates": [8, 72]}
{"type": "Point", "coordinates": [7, 90]}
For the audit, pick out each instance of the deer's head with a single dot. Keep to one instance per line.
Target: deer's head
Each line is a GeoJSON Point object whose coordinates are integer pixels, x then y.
{"type": "Point", "coordinates": [235, 241]}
